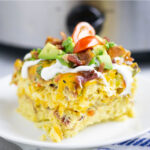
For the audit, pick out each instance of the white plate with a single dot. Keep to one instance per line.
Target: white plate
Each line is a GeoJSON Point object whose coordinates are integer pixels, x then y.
{"type": "Point", "coordinates": [19, 130]}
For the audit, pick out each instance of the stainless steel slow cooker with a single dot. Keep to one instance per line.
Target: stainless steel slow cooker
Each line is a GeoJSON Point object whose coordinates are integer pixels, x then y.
{"type": "Point", "coordinates": [28, 23]}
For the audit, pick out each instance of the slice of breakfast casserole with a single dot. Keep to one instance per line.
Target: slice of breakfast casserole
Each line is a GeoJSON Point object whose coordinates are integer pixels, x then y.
{"type": "Point", "coordinates": [75, 82]}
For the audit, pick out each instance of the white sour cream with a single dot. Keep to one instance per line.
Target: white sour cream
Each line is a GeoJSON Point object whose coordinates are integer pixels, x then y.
{"type": "Point", "coordinates": [26, 65]}
{"type": "Point", "coordinates": [120, 59]}
{"type": "Point", "coordinates": [27, 56]}
{"type": "Point", "coordinates": [48, 73]}
{"type": "Point", "coordinates": [126, 72]}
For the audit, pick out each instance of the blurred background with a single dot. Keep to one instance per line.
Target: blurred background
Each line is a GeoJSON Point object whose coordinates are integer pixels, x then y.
{"type": "Point", "coordinates": [26, 24]}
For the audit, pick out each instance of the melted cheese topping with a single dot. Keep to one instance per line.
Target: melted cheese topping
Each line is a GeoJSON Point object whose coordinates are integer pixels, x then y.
{"type": "Point", "coordinates": [50, 72]}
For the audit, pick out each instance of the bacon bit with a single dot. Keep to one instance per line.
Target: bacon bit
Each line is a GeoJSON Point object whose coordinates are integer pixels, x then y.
{"type": "Point", "coordinates": [54, 41]}
{"type": "Point", "coordinates": [79, 81]}
{"type": "Point", "coordinates": [86, 56]}
{"type": "Point", "coordinates": [113, 61]}
{"type": "Point", "coordinates": [89, 75]}
{"type": "Point", "coordinates": [59, 46]}
{"type": "Point", "coordinates": [101, 67]}
{"type": "Point", "coordinates": [85, 76]}
{"type": "Point", "coordinates": [90, 112]}
{"type": "Point", "coordinates": [128, 56]}
{"type": "Point", "coordinates": [63, 35]}
{"type": "Point", "coordinates": [34, 54]}
{"type": "Point", "coordinates": [106, 38]}
{"type": "Point", "coordinates": [73, 58]}
{"type": "Point", "coordinates": [116, 51]}
{"type": "Point", "coordinates": [57, 42]}
{"type": "Point", "coordinates": [129, 59]}
{"type": "Point", "coordinates": [65, 120]}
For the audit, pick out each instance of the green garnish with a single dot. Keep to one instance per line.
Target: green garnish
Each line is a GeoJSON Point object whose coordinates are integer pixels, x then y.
{"type": "Point", "coordinates": [32, 58]}
{"type": "Point", "coordinates": [62, 61]}
{"type": "Point", "coordinates": [38, 69]}
{"type": "Point", "coordinates": [102, 56]}
{"type": "Point", "coordinates": [109, 45]}
{"type": "Point", "coordinates": [68, 45]}
{"type": "Point", "coordinates": [99, 50]}
{"type": "Point", "coordinates": [39, 50]}
{"type": "Point", "coordinates": [106, 60]}
{"type": "Point", "coordinates": [50, 51]}
{"type": "Point", "coordinates": [92, 61]}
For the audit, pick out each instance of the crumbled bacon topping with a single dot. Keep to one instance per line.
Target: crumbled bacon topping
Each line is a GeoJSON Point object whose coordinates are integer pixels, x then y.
{"type": "Point", "coordinates": [82, 58]}
{"type": "Point", "coordinates": [74, 58]}
{"type": "Point", "coordinates": [35, 54]}
{"type": "Point", "coordinates": [55, 41]}
{"type": "Point", "coordinates": [86, 56]}
{"type": "Point", "coordinates": [79, 81]}
{"type": "Point", "coordinates": [63, 35]}
{"type": "Point", "coordinates": [128, 56]}
{"type": "Point", "coordinates": [101, 67]}
{"type": "Point", "coordinates": [85, 76]}
{"type": "Point", "coordinates": [119, 51]}
{"type": "Point", "coordinates": [116, 51]}
{"type": "Point", "coordinates": [65, 120]}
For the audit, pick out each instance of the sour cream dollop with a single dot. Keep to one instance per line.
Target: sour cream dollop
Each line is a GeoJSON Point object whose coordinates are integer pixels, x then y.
{"type": "Point", "coordinates": [27, 56]}
{"type": "Point", "coordinates": [50, 72]}
{"type": "Point", "coordinates": [126, 72]}
{"type": "Point", "coordinates": [26, 65]}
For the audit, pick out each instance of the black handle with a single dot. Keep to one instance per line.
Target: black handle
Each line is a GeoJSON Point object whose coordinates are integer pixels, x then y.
{"type": "Point", "coordinates": [85, 13]}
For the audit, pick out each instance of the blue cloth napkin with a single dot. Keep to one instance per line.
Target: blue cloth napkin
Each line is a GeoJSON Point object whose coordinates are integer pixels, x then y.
{"type": "Point", "coordinates": [139, 143]}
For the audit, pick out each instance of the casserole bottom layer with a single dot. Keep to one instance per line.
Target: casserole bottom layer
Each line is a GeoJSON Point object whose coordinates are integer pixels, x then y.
{"type": "Point", "coordinates": [57, 128]}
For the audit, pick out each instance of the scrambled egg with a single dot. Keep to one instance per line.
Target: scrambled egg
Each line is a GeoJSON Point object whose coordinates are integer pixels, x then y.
{"type": "Point", "coordinates": [62, 109]}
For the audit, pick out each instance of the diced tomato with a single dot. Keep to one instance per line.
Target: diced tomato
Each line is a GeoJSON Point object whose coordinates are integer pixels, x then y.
{"type": "Point", "coordinates": [85, 43]}
{"type": "Point", "coordinates": [90, 112]}
{"type": "Point", "coordinates": [82, 30]}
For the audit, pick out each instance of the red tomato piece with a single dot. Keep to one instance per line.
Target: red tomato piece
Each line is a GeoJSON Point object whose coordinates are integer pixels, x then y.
{"type": "Point", "coordinates": [85, 43]}
{"type": "Point", "coordinates": [82, 30]}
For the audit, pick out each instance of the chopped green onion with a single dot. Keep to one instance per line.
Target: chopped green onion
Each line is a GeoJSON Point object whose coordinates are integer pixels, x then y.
{"type": "Point", "coordinates": [92, 61]}
{"type": "Point", "coordinates": [109, 45]}
{"type": "Point", "coordinates": [68, 45]}
{"type": "Point", "coordinates": [39, 50]}
{"type": "Point", "coordinates": [38, 70]}
{"type": "Point", "coordinates": [61, 60]}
